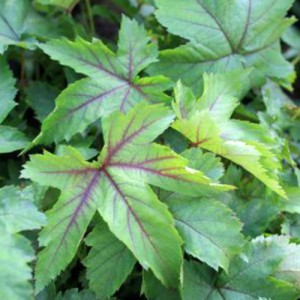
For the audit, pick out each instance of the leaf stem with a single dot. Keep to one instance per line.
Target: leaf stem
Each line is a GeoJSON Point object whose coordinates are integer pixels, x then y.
{"type": "Point", "coordinates": [90, 16]}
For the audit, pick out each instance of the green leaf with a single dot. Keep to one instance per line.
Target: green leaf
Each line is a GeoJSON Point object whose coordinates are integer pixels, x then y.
{"type": "Point", "coordinates": [208, 126]}
{"type": "Point", "coordinates": [289, 269]}
{"type": "Point", "coordinates": [251, 276]}
{"type": "Point", "coordinates": [154, 290]}
{"type": "Point", "coordinates": [75, 294]}
{"type": "Point", "coordinates": [7, 89]}
{"type": "Point", "coordinates": [117, 185]}
{"type": "Point", "coordinates": [207, 163]}
{"type": "Point", "coordinates": [65, 4]}
{"type": "Point", "coordinates": [15, 274]}
{"type": "Point", "coordinates": [108, 263]}
{"type": "Point", "coordinates": [20, 23]}
{"type": "Point", "coordinates": [16, 251]}
{"type": "Point", "coordinates": [224, 35]}
{"type": "Point", "coordinates": [292, 205]}
{"type": "Point", "coordinates": [291, 227]}
{"type": "Point", "coordinates": [40, 96]}
{"type": "Point", "coordinates": [67, 221]}
{"type": "Point", "coordinates": [210, 231]}
{"type": "Point", "coordinates": [113, 82]}
{"type": "Point", "coordinates": [11, 139]}
{"type": "Point", "coordinates": [15, 207]}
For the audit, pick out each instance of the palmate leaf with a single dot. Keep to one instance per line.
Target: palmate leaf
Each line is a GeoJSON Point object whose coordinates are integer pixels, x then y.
{"type": "Point", "coordinates": [20, 23]}
{"type": "Point", "coordinates": [15, 250]}
{"type": "Point", "coordinates": [117, 185]}
{"type": "Point", "coordinates": [10, 138]}
{"type": "Point", "coordinates": [206, 123]}
{"type": "Point", "coordinates": [251, 276]}
{"type": "Point", "coordinates": [224, 35]}
{"type": "Point", "coordinates": [210, 231]}
{"type": "Point", "coordinates": [113, 82]}
{"type": "Point", "coordinates": [108, 263]}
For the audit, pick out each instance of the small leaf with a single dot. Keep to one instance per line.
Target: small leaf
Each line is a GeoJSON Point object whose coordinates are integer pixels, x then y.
{"type": "Point", "coordinates": [108, 263]}
{"type": "Point", "coordinates": [154, 290]}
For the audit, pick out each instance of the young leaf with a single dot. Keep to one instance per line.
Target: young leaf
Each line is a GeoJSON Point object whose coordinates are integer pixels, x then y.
{"type": "Point", "coordinates": [208, 126]}
{"type": "Point", "coordinates": [116, 185]}
{"type": "Point", "coordinates": [224, 35]}
{"type": "Point", "coordinates": [113, 84]}
{"type": "Point", "coordinates": [210, 231]}
{"type": "Point", "coordinates": [108, 263]}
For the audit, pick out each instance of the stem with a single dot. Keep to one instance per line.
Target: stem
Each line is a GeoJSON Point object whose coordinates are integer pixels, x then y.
{"type": "Point", "coordinates": [296, 60]}
{"type": "Point", "coordinates": [90, 16]}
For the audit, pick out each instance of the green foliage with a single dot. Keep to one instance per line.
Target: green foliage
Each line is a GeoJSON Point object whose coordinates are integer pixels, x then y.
{"type": "Point", "coordinates": [222, 36]}
{"type": "Point", "coordinates": [160, 152]}
{"type": "Point", "coordinates": [16, 251]}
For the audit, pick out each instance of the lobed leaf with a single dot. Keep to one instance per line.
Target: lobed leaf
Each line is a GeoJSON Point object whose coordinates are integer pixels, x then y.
{"type": "Point", "coordinates": [208, 126]}
{"type": "Point", "coordinates": [121, 194]}
{"type": "Point", "coordinates": [224, 35]}
{"type": "Point", "coordinates": [113, 82]}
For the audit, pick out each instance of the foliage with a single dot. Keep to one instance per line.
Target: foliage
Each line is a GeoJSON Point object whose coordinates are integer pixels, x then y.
{"type": "Point", "coordinates": [149, 150]}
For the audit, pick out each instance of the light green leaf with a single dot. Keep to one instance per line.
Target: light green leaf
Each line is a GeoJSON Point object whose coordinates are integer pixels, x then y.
{"type": "Point", "coordinates": [224, 35]}
{"type": "Point", "coordinates": [210, 231]}
{"type": "Point", "coordinates": [207, 163]}
{"type": "Point", "coordinates": [117, 185]}
{"type": "Point", "coordinates": [108, 263]}
{"type": "Point", "coordinates": [15, 207]}
{"type": "Point", "coordinates": [248, 145]}
{"type": "Point", "coordinates": [11, 139]}
{"type": "Point", "coordinates": [292, 205]}
{"type": "Point", "coordinates": [15, 250]}
{"type": "Point", "coordinates": [15, 274]}
{"type": "Point", "coordinates": [113, 82]}
{"type": "Point", "coordinates": [70, 216]}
